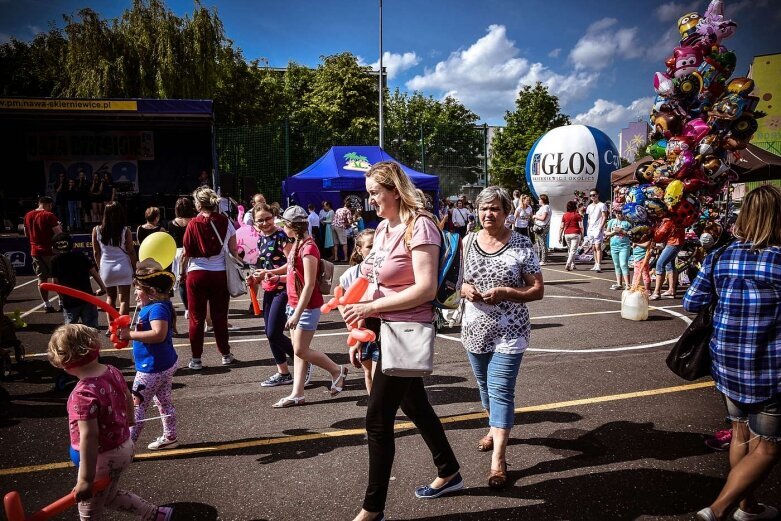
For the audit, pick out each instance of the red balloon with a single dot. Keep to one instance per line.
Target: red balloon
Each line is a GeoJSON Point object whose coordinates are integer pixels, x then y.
{"type": "Point", "coordinates": [117, 320]}
{"type": "Point", "coordinates": [664, 230]}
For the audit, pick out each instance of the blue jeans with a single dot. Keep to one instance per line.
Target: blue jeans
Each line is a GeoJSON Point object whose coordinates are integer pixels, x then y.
{"type": "Point", "coordinates": [88, 313]}
{"type": "Point", "coordinates": [496, 374]}
{"type": "Point", "coordinates": [274, 318]}
{"type": "Point", "coordinates": [763, 419]}
{"type": "Point", "coordinates": [666, 261]}
{"type": "Point", "coordinates": [74, 215]}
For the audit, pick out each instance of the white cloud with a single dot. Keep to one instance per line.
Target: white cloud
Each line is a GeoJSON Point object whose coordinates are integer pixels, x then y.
{"type": "Point", "coordinates": [610, 116]}
{"type": "Point", "coordinates": [487, 76]}
{"type": "Point", "coordinates": [34, 29]}
{"type": "Point", "coordinates": [731, 9]}
{"type": "Point", "coordinates": [663, 46]}
{"type": "Point", "coordinates": [671, 11]}
{"type": "Point", "coordinates": [555, 53]}
{"type": "Point", "coordinates": [602, 43]}
{"type": "Point", "coordinates": [396, 63]}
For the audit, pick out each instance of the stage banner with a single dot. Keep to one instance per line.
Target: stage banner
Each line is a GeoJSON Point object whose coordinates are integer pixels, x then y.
{"type": "Point", "coordinates": [120, 144]}
{"type": "Point", "coordinates": [124, 174]}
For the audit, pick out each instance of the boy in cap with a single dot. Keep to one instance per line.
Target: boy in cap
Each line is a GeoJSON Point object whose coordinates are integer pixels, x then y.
{"type": "Point", "coordinates": [73, 269]}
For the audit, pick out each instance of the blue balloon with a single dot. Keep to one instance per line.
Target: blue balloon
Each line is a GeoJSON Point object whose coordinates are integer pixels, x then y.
{"type": "Point", "coordinates": [635, 213]}
{"type": "Point", "coordinates": [636, 195]}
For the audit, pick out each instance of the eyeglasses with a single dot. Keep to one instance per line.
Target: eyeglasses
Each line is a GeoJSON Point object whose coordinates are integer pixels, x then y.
{"type": "Point", "coordinates": [593, 195]}
{"type": "Point", "coordinates": [261, 221]}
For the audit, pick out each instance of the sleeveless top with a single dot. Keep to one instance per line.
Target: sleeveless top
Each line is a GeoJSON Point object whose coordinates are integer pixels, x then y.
{"type": "Point", "coordinates": [115, 267]}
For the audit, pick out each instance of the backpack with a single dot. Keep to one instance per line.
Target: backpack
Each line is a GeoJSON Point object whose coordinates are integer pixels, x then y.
{"type": "Point", "coordinates": [324, 280]}
{"type": "Point", "coordinates": [450, 271]}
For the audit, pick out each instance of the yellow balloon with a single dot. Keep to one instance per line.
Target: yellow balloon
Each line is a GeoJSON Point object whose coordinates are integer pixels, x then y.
{"type": "Point", "coordinates": [673, 193]}
{"type": "Point", "coordinates": [159, 246]}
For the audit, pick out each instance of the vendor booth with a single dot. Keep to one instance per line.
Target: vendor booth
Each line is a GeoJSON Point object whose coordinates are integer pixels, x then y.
{"type": "Point", "coordinates": [340, 174]}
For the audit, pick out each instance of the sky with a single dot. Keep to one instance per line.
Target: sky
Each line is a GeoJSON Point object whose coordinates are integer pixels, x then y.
{"type": "Point", "coordinates": [597, 56]}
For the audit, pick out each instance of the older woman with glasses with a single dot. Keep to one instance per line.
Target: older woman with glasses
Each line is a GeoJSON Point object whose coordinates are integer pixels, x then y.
{"type": "Point", "coordinates": [501, 274]}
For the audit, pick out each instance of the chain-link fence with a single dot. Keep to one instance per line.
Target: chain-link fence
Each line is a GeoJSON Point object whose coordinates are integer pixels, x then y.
{"type": "Point", "coordinates": [261, 157]}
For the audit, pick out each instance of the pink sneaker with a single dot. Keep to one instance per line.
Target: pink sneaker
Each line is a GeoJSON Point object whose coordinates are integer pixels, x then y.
{"type": "Point", "coordinates": [720, 440]}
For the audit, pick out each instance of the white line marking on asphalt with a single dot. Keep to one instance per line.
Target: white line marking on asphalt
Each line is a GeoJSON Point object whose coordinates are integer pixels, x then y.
{"type": "Point", "coordinates": [26, 283]}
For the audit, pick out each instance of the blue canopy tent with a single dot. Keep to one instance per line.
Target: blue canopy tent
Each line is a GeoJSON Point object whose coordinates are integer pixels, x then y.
{"type": "Point", "coordinates": [339, 174]}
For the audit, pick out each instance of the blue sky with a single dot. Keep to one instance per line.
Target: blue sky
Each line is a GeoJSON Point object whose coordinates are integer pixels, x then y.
{"type": "Point", "coordinates": [598, 56]}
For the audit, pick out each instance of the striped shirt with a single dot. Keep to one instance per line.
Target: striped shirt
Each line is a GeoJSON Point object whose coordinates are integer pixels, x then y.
{"type": "Point", "coordinates": [746, 343]}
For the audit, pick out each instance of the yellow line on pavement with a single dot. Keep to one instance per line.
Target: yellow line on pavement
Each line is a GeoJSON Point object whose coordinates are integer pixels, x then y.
{"type": "Point", "coordinates": [224, 447]}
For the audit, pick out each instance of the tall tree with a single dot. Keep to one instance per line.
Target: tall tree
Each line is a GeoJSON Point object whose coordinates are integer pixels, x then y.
{"type": "Point", "coordinates": [536, 112]}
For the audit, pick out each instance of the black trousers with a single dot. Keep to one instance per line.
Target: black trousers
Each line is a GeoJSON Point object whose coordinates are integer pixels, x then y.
{"type": "Point", "coordinates": [388, 394]}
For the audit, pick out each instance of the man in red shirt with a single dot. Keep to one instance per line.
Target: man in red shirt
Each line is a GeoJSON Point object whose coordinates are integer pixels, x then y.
{"type": "Point", "coordinates": [40, 225]}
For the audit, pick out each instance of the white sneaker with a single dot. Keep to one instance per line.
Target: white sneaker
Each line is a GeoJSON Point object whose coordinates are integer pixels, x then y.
{"type": "Point", "coordinates": [163, 443]}
{"type": "Point", "coordinates": [195, 364]}
{"type": "Point", "coordinates": [186, 314]}
{"type": "Point", "coordinates": [768, 512]}
{"type": "Point", "coordinates": [309, 370]}
{"type": "Point", "coordinates": [228, 359]}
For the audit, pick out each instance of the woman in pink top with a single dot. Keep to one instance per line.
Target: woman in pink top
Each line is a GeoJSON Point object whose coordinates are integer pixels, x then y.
{"type": "Point", "coordinates": [402, 267]}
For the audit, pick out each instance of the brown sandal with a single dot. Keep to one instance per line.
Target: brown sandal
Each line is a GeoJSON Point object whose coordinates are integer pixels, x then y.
{"type": "Point", "coordinates": [498, 478]}
{"type": "Point", "coordinates": [486, 443]}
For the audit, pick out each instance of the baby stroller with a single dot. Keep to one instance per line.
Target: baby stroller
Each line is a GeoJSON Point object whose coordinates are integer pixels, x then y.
{"type": "Point", "coordinates": [8, 339]}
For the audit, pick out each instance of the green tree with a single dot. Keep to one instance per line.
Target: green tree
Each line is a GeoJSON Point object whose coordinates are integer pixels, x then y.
{"type": "Point", "coordinates": [437, 137]}
{"type": "Point", "coordinates": [536, 112]}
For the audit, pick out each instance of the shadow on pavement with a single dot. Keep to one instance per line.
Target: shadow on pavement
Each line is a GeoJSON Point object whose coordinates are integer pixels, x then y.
{"type": "Point", "coordinates": [193, 512]}
{"type": "Point", "coordinates": [611, 443]}
{"type": "Point", "coordinates": [621, 495]}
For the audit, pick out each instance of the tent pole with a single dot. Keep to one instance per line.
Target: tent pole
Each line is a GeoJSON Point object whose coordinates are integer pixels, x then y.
{"type": "Point", "coordinates": [382, 132]}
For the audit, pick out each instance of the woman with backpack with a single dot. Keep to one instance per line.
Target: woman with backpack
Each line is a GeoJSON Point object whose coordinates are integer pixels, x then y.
{"type": "Point", "coordinates": [501, 274]}
{"type": "Point", "coordinates": [403, 269]}
{"type": "Point", "coordinates": [303, 308]}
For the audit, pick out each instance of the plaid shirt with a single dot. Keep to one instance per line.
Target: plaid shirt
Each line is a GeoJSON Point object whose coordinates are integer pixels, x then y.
{"type": "Point", "coordinates": [746, 342]}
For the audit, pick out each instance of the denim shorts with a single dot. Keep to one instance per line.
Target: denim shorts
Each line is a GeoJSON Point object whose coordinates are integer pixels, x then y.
{"type": "Point", "coordinates": [764, 418]}
{"type": "Point", "coordinates": [370, 351]}
{"type": "Point", "coordinates": [309, 318]}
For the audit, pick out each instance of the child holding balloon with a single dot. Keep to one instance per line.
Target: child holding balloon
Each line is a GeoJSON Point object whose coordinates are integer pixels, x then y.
{"type": "Point", "coordinates": [99, 415]}
{"type": "Point", "coordinates": [363, 354]}
{"type": "Point", "coordinates": [153, 351]}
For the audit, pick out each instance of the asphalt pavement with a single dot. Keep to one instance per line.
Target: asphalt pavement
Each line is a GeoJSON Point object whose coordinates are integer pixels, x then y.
{"type": "Point", "coordinates": [603, 429]}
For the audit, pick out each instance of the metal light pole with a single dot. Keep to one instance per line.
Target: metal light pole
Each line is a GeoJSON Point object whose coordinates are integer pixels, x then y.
{"type": "Point", "coordinates": [382, 121]}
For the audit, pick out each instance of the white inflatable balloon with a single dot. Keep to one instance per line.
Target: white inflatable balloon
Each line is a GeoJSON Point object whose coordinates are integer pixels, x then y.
{"type": "Point", "coordinates": [568, 159]}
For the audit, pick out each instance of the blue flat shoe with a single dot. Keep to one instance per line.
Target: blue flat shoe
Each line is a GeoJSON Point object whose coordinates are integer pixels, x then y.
{"type": "Point", "coordinates": [427, 492]}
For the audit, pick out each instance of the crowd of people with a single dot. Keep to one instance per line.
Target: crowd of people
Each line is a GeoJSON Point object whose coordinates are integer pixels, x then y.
{"type": "Point", "coordinates": [504, 246]}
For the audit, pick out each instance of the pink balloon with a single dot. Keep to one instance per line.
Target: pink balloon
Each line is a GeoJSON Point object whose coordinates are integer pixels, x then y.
{"type": "Point", "coordinates": [695, 129]}
{"type": "Point", "coordinates": [247, 241]}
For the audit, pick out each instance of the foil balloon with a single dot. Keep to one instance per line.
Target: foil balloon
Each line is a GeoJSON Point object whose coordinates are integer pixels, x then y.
{"type": "Point", "coordinates": [744, 127]}
{"type": "Point", "coordinates": [673, 193]}
{"type": "Point", "coordinates": [654, 192]}
{"type": "Point", "coordinates": [714, 168]}
{"type": "Point", "coordinates": [247, 238]}
{"type": "Point", "coordinates": [675, 146]}
{"type": "Point", "coordinates": [639, 233]}
{"type": "Point", "coordinates": [707, 145]}
{"type": "Point", "coordinates": [695, 184]}
{"type": "Point", "coordinates": [655, 208]}
{"type": "Point", "coordinates": [685, 60]}
{"type": "Point", "coordinates": [644, 173]}
{"type": "Point", "coordinates": [686, 212]}
{"type": "Point", "coordinates": [635, 213]}
{"type": "Point", "coordinates": [733, 143]}
{"type": "Point", "coordinates": [683, 165]}
{"type": "Point", "coordinates": [687, 26]}
{"type": "Point", "coordinates": [663, 84]}
{"type": "Point", "coordinates": [657, 149]}
{"type": "Point", "coordinates": [636, 195]}
{"type": "Point", "coordinates": [712, 27]}
{"type": "Point", "coordinates": [694, 130]}
{"type": "Point", "coordinates": [663, 231]}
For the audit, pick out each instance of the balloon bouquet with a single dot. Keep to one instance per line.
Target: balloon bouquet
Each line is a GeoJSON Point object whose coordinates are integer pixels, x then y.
{"type": "Point", "coordinates": [700, 121]}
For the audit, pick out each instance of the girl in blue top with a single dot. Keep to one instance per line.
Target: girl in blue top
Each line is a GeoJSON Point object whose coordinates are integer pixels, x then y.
{"type": "Point", "coordinates": [153, 351]}
{"type": "Point", "coordinates": [620, 249]}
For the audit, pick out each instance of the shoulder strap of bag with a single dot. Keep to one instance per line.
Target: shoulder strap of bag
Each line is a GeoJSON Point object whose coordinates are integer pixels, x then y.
{"type": "Point", "coordinates": [222, 243]}
{"type": "Point", "coordinates": [716, 258]}
{"type": "Point", "coordinates": [470, 240]}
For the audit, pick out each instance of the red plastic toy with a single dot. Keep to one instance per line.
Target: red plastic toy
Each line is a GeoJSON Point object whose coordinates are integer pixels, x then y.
{"type": "Point", "coordinates": [253, 296]}
{"type": "Point", "coordinates": [117, 320]}
{"type": "Point", "coordinates": [14, 510]}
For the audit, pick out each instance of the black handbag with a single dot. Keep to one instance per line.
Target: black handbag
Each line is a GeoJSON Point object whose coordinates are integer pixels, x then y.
{"type": "Point", "coordinates": [690, 356]}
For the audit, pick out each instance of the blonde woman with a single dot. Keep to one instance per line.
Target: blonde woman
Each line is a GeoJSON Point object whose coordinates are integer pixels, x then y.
{"type": "Point", "coordinates": [402, 266]}
{"type": "Point", "coordinates": [523, 215]}
{"type": "Point", "coordinates": [203, 265]}
{"type": "Point", "coordinates": [303, 307]}
{"type": "Point", "coordinates": [746, 348]}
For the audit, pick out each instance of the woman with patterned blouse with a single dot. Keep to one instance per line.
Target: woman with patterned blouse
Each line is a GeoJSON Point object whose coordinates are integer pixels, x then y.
{"type": "Point", "coordinates": [273, 247]}
{"type": "Point", "coordinates": [501, 274]}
